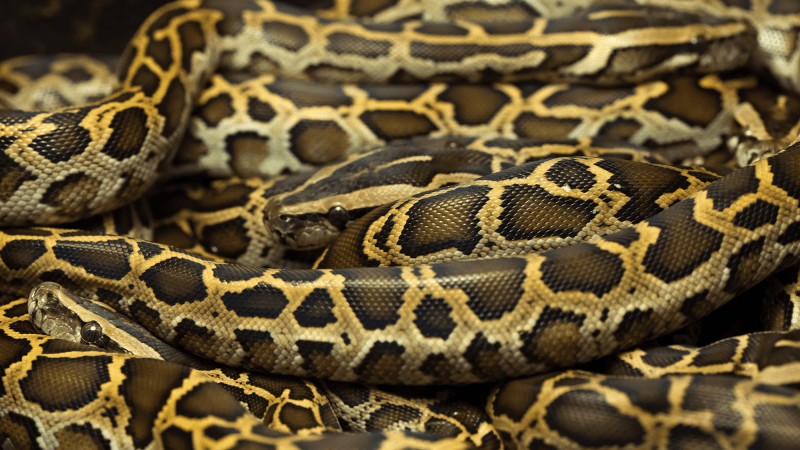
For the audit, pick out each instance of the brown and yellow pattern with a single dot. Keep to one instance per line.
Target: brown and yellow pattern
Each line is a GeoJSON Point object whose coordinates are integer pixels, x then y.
{"type": "Point", "coordinates": [482, 320]}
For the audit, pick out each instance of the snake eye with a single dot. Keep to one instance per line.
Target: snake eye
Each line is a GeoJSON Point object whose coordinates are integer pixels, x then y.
{"type": "Point", "coordinates": [338, 217]}
{"type": "Point", "coordinates": [91, 332]}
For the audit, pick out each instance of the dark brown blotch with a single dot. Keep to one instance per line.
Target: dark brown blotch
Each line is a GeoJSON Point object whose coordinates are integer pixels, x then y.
{"type": "Point", "coordinates": [606, 426]}
{"type": "Point", "coordinates": [67, 140]}
{"type": "Point", "coordinates": [176, 281]}
{"type": "Point", "coordinates": [679, 230]}
{"type": "Point", "coordinates": [382, 364]}
{"type": "Point", "coordinates": [474, 104]}
{"type": "Point", "coordinates": [785, 166]}
{"type": "Point", "coordinates": [80, 381]}
{"type": "Point", "coordinates": [160, 52]}
{"type": "Point", "coordinates": [484, 356]}
{"type": "Point", "coordinates": [706, 103]}
{"type": "Point", "coordinates": [192, 40]}
{"type": "Point", "coordinates": [406, 92]}
{"type": "Point", "coordinates": [305, 93]}
{"type": "Point", "coordinates": [725, 191]}
{"type": "Point", "coordinates": [530, 125]}
{"type": "Point", "coordinates": [440, 369]}
{"type": "Point", "coordinates": [444, 221]}
{"type": "Point", "coordinates": [375, 297]}
{"type": "Point", "coordinates": [777, 423]}
{"type": "Point", "coordinates": [663, 356]}
{"type": "Point", "coordinates": [259, 111]}
{"type": "Point", "coordinates": [494, 286]}
{"type": "Point", "coordinates": [743, 265]}
{"type": "Point", "coordinates": [213, 110]}
{"type": "Point", "coordinates": [20, 431]}
{"type": "Point", "coordinates": [147, 80]}
{"type": "Point", "coordinates": [105, 259]}
{"type": "Point", "coordinates": [158, 379]}
{"type": "Point", "coordinates": [368, 8]}
{"type": "Point", "coordinates": [433, 318]}
{"type": "Point", "coordinates": [262, 301]}
{"type": "Point", "coordinates": [260, 349]}
{"type": "Point", "coordinates": [720, 352]}
{"type": "Point", "coordinates": [783, 7]}
{"type": "Point", "coordinates": [391, 125]}
{"type": "Point", "coordinates": [441, 29]}
{"type": "Point", "coordinates": [228, 239]}
{"type": "Point", "coordinates": [176, 438]}
{"type": "Point", "coordinates": [530, 212]}
{"type": "Point", "coordinates": [316, 310]}
{"type": "Point", "coordinates": [297, 417]}
{"type": "Point", "coordinates": [588, 96]}
{"type": "Point", "coordinates": [559, 56]}
{"type": "Point", "coordinates": [318, 141]}
{"type": "Point", "coordinates": [19, 254]}
{"type": "Point", "coordinates": [247, 150]}
{"type": "Point", "coordinates": [555, 338]}
{"type": "Point", "coordinates": [84, 436]}
{"type": "Point", "coordinates": [71, 195]}
{"type": "Point", "coordinates": [129, 131]}
{"type": "Point", "coordinates": [209, 399]}
{"type": "Point", "coordinates": [172, 107]}
{"type": "Point", "coordinates": [459, 52]}
{"type": "Point", "coordinates": [12, 174]}
{"type": "Point", "coordinates": [687, 436]}
{"type": "Point", "coordinates": [583, 268]}
{"type": "Point", "coordinates": [348, 44]}
{"type": "Point", "coordinates": [637, 325]}
{"type": "Point", "coordinates": [284, 35]}
{"type": "Point", "coordinates": [621, 129]}
{"type": "Point", "coordinates": [647, 187]}
{"type": "Point", "coordinates": [173, 235]}
{"type": "Point", "coordinates": [650, 395]}
{"type": "Point", "coordinates": [231, 273]}
{"type": "Point", "coordinates": [319, 360]}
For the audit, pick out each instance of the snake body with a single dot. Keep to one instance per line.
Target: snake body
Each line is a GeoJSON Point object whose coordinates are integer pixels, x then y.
{"type": "Point", "coordinates": [452, 323]}
{"type": "Point", "coordinates": [534, 295]}
{"type": "Point", "coordinates": [267, 124]}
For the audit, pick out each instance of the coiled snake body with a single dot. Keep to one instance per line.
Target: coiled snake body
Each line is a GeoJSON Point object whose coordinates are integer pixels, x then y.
{"type": "Point", "coordinates": [458, 322]}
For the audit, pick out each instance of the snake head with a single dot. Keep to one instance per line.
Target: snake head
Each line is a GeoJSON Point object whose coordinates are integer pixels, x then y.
{"type": "Point", "coordinates": [304, 231]}
{"type": "Point", "coordinates": [49, 315]}
{"type": "Point", "coordinates": [749, 151]}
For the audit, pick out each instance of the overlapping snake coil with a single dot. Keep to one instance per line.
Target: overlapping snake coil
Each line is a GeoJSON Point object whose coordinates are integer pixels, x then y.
{"type": "Point", "coordinates": [587, 183]}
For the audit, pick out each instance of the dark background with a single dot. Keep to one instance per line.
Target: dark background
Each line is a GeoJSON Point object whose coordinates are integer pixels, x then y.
{"type": "Point", "coordinates": [71, 26]}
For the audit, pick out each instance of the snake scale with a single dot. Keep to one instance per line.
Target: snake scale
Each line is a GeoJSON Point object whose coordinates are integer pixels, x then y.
{"type": "Point", "coordinates": [458, 322]}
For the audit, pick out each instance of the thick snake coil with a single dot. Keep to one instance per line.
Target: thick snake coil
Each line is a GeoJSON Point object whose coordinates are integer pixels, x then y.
{"type": "Point", "coordinates": [467, 321]}
{"type": "Point", "coordinates": [81, 161]}
{"type": "Point", "coordinates": [459, 322]}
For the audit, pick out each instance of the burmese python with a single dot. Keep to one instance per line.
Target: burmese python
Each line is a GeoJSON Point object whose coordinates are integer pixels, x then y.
{"type": "Point", "coordinates": [531, 411]}
{"type": "Point", "coordinates": [748, 216]}
{"type": "Point", "coordinates": [268, 124]}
